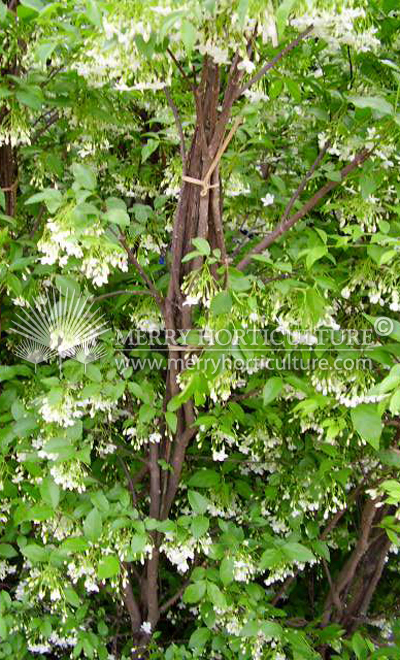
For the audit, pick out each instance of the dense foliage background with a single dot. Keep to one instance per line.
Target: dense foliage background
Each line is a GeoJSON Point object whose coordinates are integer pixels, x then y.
{"type": "Point", "coordinates": [217, 168]}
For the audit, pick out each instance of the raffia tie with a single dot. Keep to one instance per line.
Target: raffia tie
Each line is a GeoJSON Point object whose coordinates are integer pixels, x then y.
{"type": "Point", "coordinates": [205, 183]}
{"type": "Point", "coordinates": [10, 188]}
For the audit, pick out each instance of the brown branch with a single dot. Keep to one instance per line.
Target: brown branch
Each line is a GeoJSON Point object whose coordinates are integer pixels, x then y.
{"type": "Point", "coordinates": [151, 588]}
{"type": "Point", "coordinates": [181, 69]}
{"type": "Point", "coordinates": [178, 594]}
{"type": "Point", "coordinates": [288, 223]}
{"type": "Point", "coordinates": [305, 180]}
{"type": "Point", "coordinates": [335, 596]}
{"type": "Point", "coordinates": [328, 529]}
{"type": "Point", "coordinates": [132, 481]}
{"type": "Point", "coordinates": [132, 259]}
{"type": "Point", "coordinates": [178, 124]}
{"type": "Point", "coordinates": [131, 604]}
{"type": "Point", "coordinates": [52, 120]}
{"type": "Point", "coordinates": [137, 292]}
{"type": "Point", "coordinates": [274, 61]}
{"type": "Point", "coordinates": [181, 444]}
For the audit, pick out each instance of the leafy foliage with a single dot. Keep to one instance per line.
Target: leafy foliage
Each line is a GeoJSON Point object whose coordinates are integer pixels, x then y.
{"type": "Point", "coordinates": [221, 179]}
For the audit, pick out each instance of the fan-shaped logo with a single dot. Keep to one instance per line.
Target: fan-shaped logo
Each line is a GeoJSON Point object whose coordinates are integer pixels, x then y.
{"type": "Point", "coordinates": [60, 328]}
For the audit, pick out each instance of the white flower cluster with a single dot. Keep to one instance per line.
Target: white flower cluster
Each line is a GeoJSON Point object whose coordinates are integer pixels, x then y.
{"type": "Point", "coordinates": [180, 554]}
{"type": "Point", "coordinates": [339, 28]}
{"type": "Point", "coordinates": [54, 642]}
{"type": "Point", "coordinates": [244, 570]}
{"type": "Point", "coordinates": [65, 412]}
{"type": "Point", "coordinates": [98, 268]}
{"type": "Point", "coordinates": [380, 288]}
{"type": "Point", "coordinates": [85, 569]}
{"type": "Point", "coordinates": [219, 55]}
{"type": "Point", "coordinates": [61, 239]}
{"type": "Point", "coordinates": [59, 527]}
{"type": "Point", "coordinates": [6, 569]}
{"type": "Point", "coordinates": [349, 388]}
{"type": "Point", "coordinates": [70, 475]}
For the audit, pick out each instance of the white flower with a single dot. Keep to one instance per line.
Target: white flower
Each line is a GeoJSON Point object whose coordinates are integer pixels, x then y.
{"type": "Point", "coordinates": [219, 455]}
{"type": "Point", "coordinates": [219, 55]}
{"type": "Point", "coordinates": [268, 199]}
{"type": "Point", "coordinates": [191, 300]}
{"type": "Point", "coordinates": [247, 65]}
{"type": "Point", "coordinates": [146, 627]}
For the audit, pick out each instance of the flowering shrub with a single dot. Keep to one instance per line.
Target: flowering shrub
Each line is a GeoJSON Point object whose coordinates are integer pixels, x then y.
{"type": "Point", "coordinates": [217, 477]}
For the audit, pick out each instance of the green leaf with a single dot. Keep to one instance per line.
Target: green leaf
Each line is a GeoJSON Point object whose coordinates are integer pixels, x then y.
{"type": "Point", "coordinates": [7, 551]}
{"type": "Point", "coordinates": [282, 14]}
{"type": "Point", "coordinates": [93, 13]}
{"type": "Point", "coordinates": [50, 196]}
{"type": "Point", "coordinates": [216, 596]}
{"type": "Point", "coordinates": [271, 629]}
{"type": "Point", "coordinates": [67, 286]}
{"type": "Point", "coordinates": [367, 422]}
{"type": "Point", "coordinates": [93, 526]}
{"type": "Point", "coordinates": [198, 502]}
{"type": "Point", "coordinates": [108, 567]}
{"type": "Point", "coordinates": [392, 488]}
{"type": "Point", "coordinates": [30, 98]}
{"type": "Point", "coordinates": [221, 303]}
{"type": "Point", "coordinates": [3, 12]}
{"type": "Point", "coordinates": [172, 421]}
{"type": "Point", "coordinates": [202, 246]}
{"type": "Point", "coordinates": [298, 552]}
{"type": "Point", "coordinates": [75, 544]}
{"type": "Point", "coordinates": [36, 5]}
{"type": "Point", "coordinates": [118, 217]}
{"type": "Point", "coordinates": [84, 176]}
{"type": "Point", "coordinates": [93, 372]}
{"type": "Point", "coordinates": [150, 146]}
{"type": "Point", "coordinates": [44, 51]}
{"type": "Point", "coordinates": [71, 597]}
{"type": "Point", "coordinates": [99, 500]}
{"type": "Point", "coordinates": [194, 592]}
{"type": "Point", "coordinates": [359, 646]}
{"type": "Point", "coordinates": [271, 558]}
{"type": "Point", "coordinates": [315, 254]}
{"type": "Point", "coordinates": [3, 628]}
{"type": "Point", "coordinates": [199, 526]}
{"type": "Point", "coordinates": [226, 570]}
{"type": "Point", "coordinates": [205, 478]}
{"type": "Point", "coordinates": [272, 389]}
{"type": "Point", "coordinates": [50, 492]}
{"type": "Point", "coordinates": [373, 102]}
{"type": "Point", "coordinates": [35, 553]}
{"type": "Point", "coordinates": [390, 457]}
{"type": "Point", "coordinates": [138, 543]}
{"type": "Point", "coordinates": [199, 638]}
{"type": "Point", "coordinates": [189, 35]}
{"type": "Point", "coordinates": [242, 11]}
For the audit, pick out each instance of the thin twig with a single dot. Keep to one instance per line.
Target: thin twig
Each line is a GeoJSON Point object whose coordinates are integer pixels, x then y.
{"type": "Point", "coordinates": [181, 69]}
{"type": "Point", "coordinates": [123, 292]}
{"type": "Point", "coordinates": [305, 180]}
{"type": "Point", "coordinates": [274, 61]}
{"type": "Point", "coordinates": [52, 120]}
{"type": "Point", "coordinates": [286, 224]}
{"type": "Point", "coordinates": [178, 124]}
{"type": "Point", "coordinates": [132, 259]}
